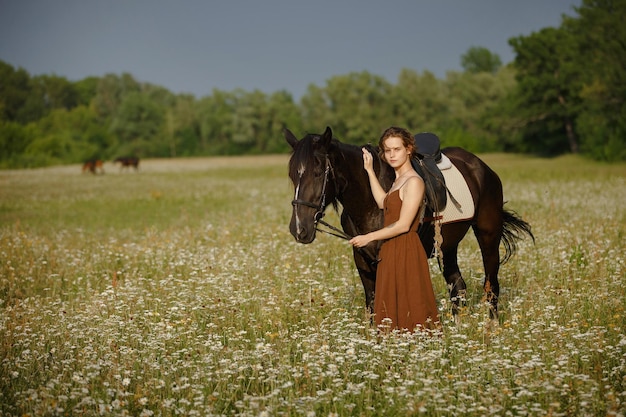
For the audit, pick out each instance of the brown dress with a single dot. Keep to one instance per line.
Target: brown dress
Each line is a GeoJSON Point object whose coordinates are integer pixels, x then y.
{"type": "Point", "coordinates": [404, 291]}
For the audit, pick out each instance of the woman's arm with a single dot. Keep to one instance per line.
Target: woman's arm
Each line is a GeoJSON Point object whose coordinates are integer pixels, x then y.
{"type": "Point", "coordinates": [411, 193]}
{"type": "Point", "coordinates": [377, 190]}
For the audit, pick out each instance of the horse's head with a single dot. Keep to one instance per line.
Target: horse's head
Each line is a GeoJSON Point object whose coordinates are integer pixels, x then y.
{"type": "Point", "coordinates": [312, 175]}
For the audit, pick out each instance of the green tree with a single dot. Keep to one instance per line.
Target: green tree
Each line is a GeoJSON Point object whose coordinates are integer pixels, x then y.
{"type": "Point", "coordinates": [110, 93]}
{"type": "Point", "coordinates": [315, 110]}
{"type": "Point", "coordinates": [249, 112]}
{"type": "Point", "coordinates": [282, 112]}
{"type": "Point", "coordinates": [22, 98]}
{"type": "Point", "coordinates": [14, 140]}
{"type": "Point", "coordinates": [473, 97]}
{"type": "Point", "coordinates": [55, 92]}
{"type": "Point", "coordinates": [86, 90]}
{"type": "Point", "coordinates": [420, 102]}
{"type": "Point", "coordinates": [479, 59]}
{"type": "Point", "coordinates": [359, 104]}
{"type": "Point", "coordinates": [183, 126]}
{"type": "Point", "coordinates": [139, 125]}
{"type": "Point", "coordinates": [14, 87]}
{"type": "Point", "coordinates": [498, 119]}
{"type": "Point", "coordinates": [601, 45]}
{"type": "Point", "coordinates": [69, 136]}
{"type": "Point", "coordinates": [547, 95]}
{"type": "Point", "coordinates": [215, 116]}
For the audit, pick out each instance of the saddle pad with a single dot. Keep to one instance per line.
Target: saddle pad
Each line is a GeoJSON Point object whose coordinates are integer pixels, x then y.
{"type": "Point", "coordinates": [460, 191]}
{"type": "Point", "coordinates": [445, 163]}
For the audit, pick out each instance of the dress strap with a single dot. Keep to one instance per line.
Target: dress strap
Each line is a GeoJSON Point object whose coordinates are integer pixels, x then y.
{"type": "Point", "coordinates": [402, 185]}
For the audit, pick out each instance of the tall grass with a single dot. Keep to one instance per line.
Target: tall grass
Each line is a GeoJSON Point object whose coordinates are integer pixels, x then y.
{"type": "Point", "coordinates": [178, 290]}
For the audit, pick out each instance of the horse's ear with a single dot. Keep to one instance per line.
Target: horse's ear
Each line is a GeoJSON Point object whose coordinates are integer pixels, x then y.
{"type": "Point", "coordinates": [327, 137]}
{"type": "Point", "coordinates": [290, 138]}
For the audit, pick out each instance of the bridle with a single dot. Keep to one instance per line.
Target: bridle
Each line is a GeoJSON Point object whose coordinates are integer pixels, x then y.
{"type": "Point", "coordinates": [321, 207]}
{"type": "Point", "coordinates": [319, 214]}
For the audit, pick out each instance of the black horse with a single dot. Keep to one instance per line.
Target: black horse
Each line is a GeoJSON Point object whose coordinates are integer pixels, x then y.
{"type": "Point", "coordinates": [325, 172]}
{"type": "Point", "coordinates": [127, 162]}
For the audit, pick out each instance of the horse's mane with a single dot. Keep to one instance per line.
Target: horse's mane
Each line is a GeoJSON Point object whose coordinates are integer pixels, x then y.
{"type": "Point", "coordinates": [307, 152]}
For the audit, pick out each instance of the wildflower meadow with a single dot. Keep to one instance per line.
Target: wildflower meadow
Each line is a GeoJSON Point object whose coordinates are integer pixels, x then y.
{"type": "Point", "coordinates": [177, 290]}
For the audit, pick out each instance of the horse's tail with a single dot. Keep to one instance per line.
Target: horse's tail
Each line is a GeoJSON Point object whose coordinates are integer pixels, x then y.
{"type": "Point", "coordinates": [513, 228]}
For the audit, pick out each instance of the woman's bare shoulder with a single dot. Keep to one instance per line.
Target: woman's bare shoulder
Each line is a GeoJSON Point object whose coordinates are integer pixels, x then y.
{"type": "Point", "coordinates": [414, 185]}
{"type": "Point", "coordinates": [415, 180]}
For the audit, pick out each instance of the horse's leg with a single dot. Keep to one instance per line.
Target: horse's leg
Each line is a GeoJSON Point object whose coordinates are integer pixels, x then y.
{"type": "Point", "coordinates": [363, 261]}
{"type": "Point", "coordinates": [489, 242]}
{"type": "Point", "coordinates": [457, 288]}
{"type": "Point", "coordinates": [452, 236]}
{"type": "Point", "coordinates": [488, 232]}
{"type": "Point", "coordinates": [367, 272]}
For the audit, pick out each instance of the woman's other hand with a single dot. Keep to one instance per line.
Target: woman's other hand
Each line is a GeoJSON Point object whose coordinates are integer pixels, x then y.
{"type": "Point", "coordinates": [360, 241]}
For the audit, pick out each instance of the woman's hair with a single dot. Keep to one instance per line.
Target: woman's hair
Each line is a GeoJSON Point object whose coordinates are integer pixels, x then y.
{"type": "Point", "coordinates": [399, 132]}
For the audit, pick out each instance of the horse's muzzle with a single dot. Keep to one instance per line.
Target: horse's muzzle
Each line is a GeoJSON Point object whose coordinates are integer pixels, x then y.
{"type": "Point", "coordinates": [302, 234]}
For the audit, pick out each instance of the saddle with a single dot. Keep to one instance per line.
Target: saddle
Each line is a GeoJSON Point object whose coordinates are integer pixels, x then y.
{"type": "Point", "coordinates": [425, 164]}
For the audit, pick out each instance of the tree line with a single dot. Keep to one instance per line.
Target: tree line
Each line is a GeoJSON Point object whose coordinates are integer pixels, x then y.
{"type": "Point", "coordinates": [564, 92]}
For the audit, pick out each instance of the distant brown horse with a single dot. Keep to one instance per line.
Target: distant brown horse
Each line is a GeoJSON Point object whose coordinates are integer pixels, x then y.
{"type": "Point", "coordinates": [94, 166]}
{"type": "Point", "coordinates": [127, 161]}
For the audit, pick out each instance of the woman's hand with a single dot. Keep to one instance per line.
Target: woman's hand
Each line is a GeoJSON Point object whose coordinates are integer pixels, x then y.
{"type": "Point", "coordinates": [377, 190]}
{"type": "Point", "coordinates": [368, 163]}
{"type": "Point", "coordinates": [360, 241]}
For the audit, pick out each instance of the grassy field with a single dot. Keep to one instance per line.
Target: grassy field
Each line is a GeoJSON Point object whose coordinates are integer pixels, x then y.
{"type": "Point", "coordinates": [178, 290]}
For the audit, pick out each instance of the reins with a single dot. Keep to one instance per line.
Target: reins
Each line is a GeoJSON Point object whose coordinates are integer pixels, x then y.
{"type": "Point", "coordinates": [335, 230]}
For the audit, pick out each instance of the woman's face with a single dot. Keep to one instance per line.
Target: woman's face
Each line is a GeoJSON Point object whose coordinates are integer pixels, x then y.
{"type": "Point", "coordinates": [396, 153]}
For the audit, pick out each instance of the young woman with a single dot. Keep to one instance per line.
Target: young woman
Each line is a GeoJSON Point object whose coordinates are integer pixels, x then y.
{"type": "Point", "coordinates": [404, 297]}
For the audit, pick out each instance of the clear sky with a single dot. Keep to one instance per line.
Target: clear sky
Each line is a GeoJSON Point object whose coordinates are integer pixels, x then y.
{"type": "Point", "coordinates": [196, 46]}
